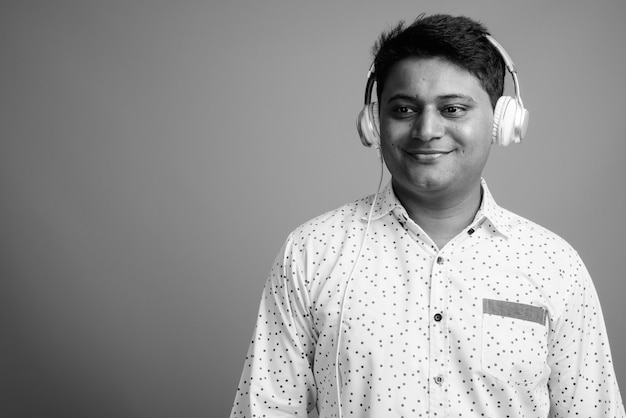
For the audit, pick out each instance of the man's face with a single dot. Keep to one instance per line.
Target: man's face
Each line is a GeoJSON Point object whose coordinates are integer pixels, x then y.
{"type": "Point", "coordinates": [435, 126]}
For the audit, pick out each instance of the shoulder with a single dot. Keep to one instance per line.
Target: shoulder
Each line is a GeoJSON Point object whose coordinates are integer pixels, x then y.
{"type": "Point", "coordinates": [523, 228]}
{"type": "Point", "coordinates": [540, 242]}
{"type": "Point", "coordinates": [314, 248]}
{"type": "Point", "coordinates": [338, 222]}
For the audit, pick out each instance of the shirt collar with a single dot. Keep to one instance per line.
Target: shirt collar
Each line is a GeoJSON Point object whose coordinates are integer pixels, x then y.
{"type": "Point", "coordinates": [490, 210]}
{"type": "Point", "coordinates": [387, 201]}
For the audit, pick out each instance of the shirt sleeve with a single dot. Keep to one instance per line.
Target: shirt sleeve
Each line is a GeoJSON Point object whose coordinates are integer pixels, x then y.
{"type": "Point", "coordinates": [582, 382]}
{"type": "Point", "coordinates": [277, 379]}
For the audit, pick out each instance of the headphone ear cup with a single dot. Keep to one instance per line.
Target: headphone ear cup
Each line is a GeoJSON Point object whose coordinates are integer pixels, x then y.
{"type": "Point", "coordinates": [504, 130]}
{"type": "Point", "coordinates": [368, 125]}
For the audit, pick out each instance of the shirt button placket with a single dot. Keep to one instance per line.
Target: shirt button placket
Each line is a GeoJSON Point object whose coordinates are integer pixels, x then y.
{"type": "Point", "coordinates": [438, 335]}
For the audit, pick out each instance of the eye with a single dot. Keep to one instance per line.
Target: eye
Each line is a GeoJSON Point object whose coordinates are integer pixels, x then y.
{"type": "Point", "coordinates": [454, 111]}
{"type": "Point", "coordinates": [403, 111]}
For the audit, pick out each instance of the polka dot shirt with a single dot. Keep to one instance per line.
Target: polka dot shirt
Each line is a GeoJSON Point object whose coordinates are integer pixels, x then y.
{"type": "Point", "coordinates": [503, 321]}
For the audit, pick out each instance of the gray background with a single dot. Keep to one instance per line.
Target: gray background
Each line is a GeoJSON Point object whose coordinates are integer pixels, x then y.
{"type": "Point", "coordinates": [154, 155]}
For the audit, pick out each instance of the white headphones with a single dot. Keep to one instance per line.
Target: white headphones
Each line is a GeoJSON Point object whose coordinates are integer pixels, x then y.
{"type": "Point", "coordinates": [510, 118]}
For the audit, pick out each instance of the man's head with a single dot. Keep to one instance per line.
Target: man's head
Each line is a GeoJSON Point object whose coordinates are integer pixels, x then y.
{"type": "Point", "coordinates": [457, 39]}
{"type": "Point", "coordinates": [438, 82]}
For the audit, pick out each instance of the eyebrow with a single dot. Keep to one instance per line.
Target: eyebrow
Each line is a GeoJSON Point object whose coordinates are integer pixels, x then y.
{"type": "Point", "coordinates": [451, 96]}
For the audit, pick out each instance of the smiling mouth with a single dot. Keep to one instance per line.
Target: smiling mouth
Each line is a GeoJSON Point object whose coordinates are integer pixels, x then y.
{"type": "Point", "coordinates": [428, 155]}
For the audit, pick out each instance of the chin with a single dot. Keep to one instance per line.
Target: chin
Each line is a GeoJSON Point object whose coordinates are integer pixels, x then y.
{"type": "Point", "coordinates": [423, 184]}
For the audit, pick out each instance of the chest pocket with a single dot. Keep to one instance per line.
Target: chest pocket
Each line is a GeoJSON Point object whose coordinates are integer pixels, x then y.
{"type": "Point", "coordinates": [514, 342]}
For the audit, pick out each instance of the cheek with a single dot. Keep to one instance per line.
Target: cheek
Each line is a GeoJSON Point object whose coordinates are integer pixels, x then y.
{"type": "Point", "coordinates": [393, 133]}
{"type": "Point", "coordinates": [476, 138]}
{"type": "Point", "coordinates": [385, 130]}
{"type": "Point", "coordinates": [388, 138]}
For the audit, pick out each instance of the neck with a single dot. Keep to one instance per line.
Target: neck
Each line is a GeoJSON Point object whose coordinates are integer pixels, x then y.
{"type": "Point", "coordinates": [442, 215]}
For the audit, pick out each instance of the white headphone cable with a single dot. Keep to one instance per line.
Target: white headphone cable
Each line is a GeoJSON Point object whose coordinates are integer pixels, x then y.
{"type": "Point", "coordinates": [345, 292]}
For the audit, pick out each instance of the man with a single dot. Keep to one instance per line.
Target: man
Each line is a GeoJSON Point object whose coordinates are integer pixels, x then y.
{"type": "Point", "coordinates": [428, 299]}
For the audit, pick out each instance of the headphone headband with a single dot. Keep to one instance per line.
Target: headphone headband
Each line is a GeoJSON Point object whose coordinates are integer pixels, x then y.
{"type": "Point", "coordinates": [371, 79]}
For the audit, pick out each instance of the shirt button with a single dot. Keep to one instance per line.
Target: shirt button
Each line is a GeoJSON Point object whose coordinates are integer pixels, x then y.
{"type": "Point", "coordinates": [439, 380]}
{"type": "Point", "coordinates": [439, 260]}
{"type": "Point", "coordinates": [438, 317]}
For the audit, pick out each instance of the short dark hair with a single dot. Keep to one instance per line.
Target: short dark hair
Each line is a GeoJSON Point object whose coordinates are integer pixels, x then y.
{"type": "Point", "coordinates": [457, 39]}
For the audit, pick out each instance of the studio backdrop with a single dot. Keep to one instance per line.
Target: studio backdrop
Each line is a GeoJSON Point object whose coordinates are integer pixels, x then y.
{"type": "Point", "coordinates": [154, 155]}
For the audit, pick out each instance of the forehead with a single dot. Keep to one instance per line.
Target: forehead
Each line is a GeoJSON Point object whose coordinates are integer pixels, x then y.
{"type": "Point", "coordinates": [427, 77]}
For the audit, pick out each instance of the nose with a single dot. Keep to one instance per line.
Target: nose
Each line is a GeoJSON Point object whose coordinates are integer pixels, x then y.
{"type": "Point", "coordinates": [428, 125]}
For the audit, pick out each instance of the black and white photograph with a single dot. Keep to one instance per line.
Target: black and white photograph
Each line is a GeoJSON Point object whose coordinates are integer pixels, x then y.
{"type": "Point", "coordinates": [312, 209]}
